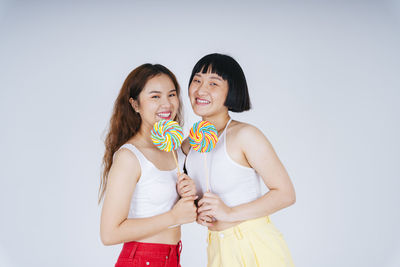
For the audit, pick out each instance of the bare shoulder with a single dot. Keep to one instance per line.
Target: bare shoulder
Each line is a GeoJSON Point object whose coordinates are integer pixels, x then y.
{"type": "Point", "coordinates": [124, 155]}
{"type": "Point", "coordinates": [125, 162]}
{"type": "Point", "coordinates": [244, 132]}
{"type": "Point", "coordinates": [185, 146]}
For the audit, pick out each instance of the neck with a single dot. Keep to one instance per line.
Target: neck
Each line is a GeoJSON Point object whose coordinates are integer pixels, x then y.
{"type": "Point", "coordinates": [144, 134]}
{"type": "Point", "coordinates": [219, 121]}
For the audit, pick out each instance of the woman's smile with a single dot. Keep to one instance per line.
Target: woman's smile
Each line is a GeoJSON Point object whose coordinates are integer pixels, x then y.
{"type": "Point", "coordinates": [202, 101]}
{"type": "Point", "coordinates": [165, 115]}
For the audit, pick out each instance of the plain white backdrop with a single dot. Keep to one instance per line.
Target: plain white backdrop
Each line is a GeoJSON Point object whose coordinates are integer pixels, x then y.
{"type": "Point", "coordinates": [325, 88]}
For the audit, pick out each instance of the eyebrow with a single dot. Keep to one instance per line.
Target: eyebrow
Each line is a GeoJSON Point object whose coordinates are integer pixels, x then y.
{"type": "Point", "coordinates": [212, 77]}
{"type": "Point", "coordinates": [159, 92]}
{"type": "Point", "coordinates": [216, 78]}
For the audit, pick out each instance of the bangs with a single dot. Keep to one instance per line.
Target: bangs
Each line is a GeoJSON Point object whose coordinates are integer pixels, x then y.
{"type": "Point", "coordinates": [213, 67]}
{"type": "Point", "coordinates": [212, 64]}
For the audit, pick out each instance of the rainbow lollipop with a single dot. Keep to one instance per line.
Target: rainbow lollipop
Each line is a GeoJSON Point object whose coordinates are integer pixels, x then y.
{"type": "Point", "coordinates": [167, 135]}
{"type": "Point", "coordinates": [203, 137]}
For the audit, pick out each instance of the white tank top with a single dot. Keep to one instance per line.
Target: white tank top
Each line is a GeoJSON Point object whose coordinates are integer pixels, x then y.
{"type": "Point", "coordinates": [155, 193]}
{"type": "Point", "coordinates": [233, 183]}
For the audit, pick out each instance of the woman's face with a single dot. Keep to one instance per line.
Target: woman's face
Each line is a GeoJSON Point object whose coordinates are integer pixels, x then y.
{"type": "Point", "coordinates": [158, 100]}
{"type": "Point", "coordinates": [207, 93]}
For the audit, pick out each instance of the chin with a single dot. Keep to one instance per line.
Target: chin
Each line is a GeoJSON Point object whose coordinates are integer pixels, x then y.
{"type": "Point", "coordinates": [201, 113]}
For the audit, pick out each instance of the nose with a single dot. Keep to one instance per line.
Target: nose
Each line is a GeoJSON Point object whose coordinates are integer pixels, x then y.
{"type": "Point", "coordinates": [165, 102]}
{"type": "Point", "coordinates": [202, 88]}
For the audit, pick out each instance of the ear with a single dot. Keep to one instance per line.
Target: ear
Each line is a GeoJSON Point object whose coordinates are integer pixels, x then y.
{"type": "Point", "coordinates": [134, 104]}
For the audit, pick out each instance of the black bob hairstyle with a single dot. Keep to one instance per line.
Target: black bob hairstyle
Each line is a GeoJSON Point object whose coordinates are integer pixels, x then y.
{"type": "Point", "coordinates": [238, 99]}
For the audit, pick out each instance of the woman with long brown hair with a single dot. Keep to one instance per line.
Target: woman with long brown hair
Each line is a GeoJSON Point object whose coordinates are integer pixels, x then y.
{"type": "Point", "coordinates": [139, 182]}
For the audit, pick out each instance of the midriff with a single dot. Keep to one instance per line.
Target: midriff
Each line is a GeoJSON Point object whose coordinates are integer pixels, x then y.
{"type": "Point", "coordinates": [169, 236]}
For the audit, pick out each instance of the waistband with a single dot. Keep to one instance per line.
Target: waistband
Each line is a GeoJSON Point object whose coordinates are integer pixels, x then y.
{"type": "Point", "coordinates": [153, 249]}
{"type": "Point", "coordinates": [238, 229]}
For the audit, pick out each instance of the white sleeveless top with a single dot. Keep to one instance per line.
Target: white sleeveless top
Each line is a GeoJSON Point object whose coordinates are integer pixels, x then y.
{"type": "Point", "coordinates": [233, 183]}
{"type": "Point", "coordinates": [155, 193]}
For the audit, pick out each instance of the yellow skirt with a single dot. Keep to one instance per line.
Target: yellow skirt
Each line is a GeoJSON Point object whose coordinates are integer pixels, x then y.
{"type": "Point", "coordinates": [251, 243]}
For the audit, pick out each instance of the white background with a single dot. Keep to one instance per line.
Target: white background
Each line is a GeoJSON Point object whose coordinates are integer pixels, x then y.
{"type": "Point", "coordinates": [324, 84]}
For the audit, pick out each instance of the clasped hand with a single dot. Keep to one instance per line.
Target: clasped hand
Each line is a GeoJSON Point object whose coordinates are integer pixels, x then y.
{"type": "Point", "coordinates": [210, 208]}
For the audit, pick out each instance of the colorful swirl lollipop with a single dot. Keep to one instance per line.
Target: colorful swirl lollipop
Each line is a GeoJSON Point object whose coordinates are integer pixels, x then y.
{"type": "Point", "coordinates": [167, 135]}
{"type": "Point", "coordinates": [203, 136]}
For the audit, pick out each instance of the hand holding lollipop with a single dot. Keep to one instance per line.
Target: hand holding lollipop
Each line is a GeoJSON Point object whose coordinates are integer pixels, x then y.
{"type": "Point", "coordinates": [167, 135]}
{"type": "Point", "coordinates": [203, 137]}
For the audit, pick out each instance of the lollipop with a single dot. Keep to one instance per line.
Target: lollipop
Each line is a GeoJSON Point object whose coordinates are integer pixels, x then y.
{"type": "Point", "coordinates": [167, 135]}
{"type": "Point", "coordinates": [203, 137]}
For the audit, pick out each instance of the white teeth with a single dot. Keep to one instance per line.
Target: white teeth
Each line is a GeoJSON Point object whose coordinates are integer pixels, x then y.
{"type": "Point", "coordinates": [164, 115]}
{"type": "Point", "coordinates": [202, 101]}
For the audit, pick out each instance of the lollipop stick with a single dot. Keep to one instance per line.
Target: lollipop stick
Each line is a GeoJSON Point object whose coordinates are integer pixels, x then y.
{"type": "Point", "coordinates": [179, 173]}
{"type": "Point", "coordinates": [206, 168]}
{"type": "Point", "coordinates": [176, 162]}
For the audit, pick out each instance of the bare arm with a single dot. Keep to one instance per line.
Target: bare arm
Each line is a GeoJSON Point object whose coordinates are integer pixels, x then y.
{"type": "Point", "coordinates": [261, 156]}
{"type": "Point", "coordinates": [115, 227]}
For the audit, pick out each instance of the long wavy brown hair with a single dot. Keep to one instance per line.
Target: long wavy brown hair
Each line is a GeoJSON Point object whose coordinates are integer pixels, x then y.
{"type": "Point", "coordinates": [125, 122]}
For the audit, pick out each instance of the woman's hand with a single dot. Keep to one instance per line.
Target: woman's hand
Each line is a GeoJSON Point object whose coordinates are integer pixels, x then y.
{"type": "Point", "coordinates": [211, 206]}
{"type": "Point", "coordinates": [184, 210]}
{"type": "Point", "coordinates": [205, 220]}
{"type": "Point", "coordinates": [186, 187]}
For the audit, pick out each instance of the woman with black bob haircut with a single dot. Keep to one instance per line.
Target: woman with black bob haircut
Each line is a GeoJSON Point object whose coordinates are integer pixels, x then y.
{"type": "Point", "coordinates": [238, 99]}
{"type": "Point", "coordinates": [234, 209]}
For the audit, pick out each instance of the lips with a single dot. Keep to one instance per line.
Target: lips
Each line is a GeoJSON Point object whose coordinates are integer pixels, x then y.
{"type": "Point", "coordinates": [201, 101]}
{"type": "Point", "coordinates": [164, 115]}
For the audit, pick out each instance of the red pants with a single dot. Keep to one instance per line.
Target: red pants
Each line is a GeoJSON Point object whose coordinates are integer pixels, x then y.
{"type": "Point", "coordinates": [140, 254]}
